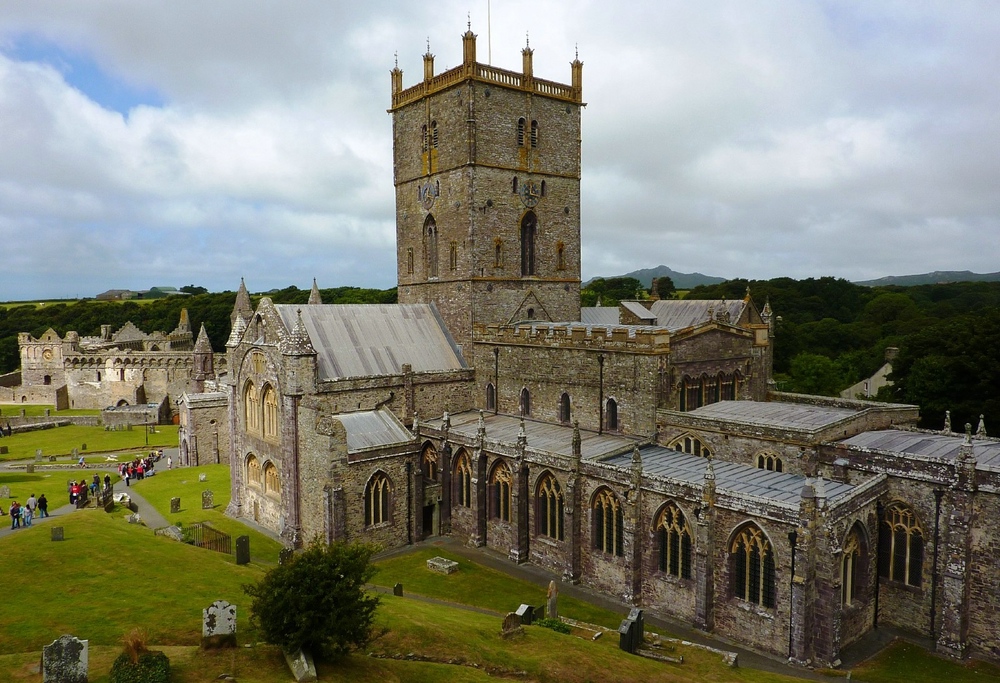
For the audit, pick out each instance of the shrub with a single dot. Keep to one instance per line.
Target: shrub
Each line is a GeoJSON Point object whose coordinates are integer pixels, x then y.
{"type": "Point", "coordinates": [148, 667]}
{"type": "Point", "coordinates": [317, 601]}
{"type": "Point", "coordinates": [553, 624]}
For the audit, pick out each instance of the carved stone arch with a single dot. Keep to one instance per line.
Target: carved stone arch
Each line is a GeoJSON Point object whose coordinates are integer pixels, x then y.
{"type": "Point", "coordinates": [752, 564]}
{"type": "Point", "coordinates": [461, 478]}
{"type": "Point", "coordinates": [549, 505]}
{"type": "Point", "coordinates": [430, 461]}
{"type": "Point", "coordinates": [607, 521]}
{"type": "Point", "coordinates": [378, 499]}
{"type": "Point", "coordinates": [675, 539]}
{"type": "Point", "coordinates": [500, 485]}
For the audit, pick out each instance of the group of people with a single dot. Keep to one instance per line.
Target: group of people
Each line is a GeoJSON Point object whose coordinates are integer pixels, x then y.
{"type": "Point", "coordinates": [138, 469]}
{"type": "Point", "coordinates": [6, 430]}
{"type": "Point", "coordinates": [21, 515]}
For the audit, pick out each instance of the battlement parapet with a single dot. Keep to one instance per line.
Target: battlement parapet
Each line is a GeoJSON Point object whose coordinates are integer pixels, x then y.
{"type": "Point", "coordinates": [563, 335]}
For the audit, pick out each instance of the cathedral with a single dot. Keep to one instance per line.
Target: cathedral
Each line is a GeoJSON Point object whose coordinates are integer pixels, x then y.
{"type": "Point", "coordinates": [641, 450]}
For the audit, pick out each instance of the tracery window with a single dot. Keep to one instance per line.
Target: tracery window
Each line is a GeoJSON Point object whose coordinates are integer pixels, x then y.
{"type": "Point", "coordinates": [254, 475]}
{"type": "Point", "coordinates": [752, 566]}
{"type": "Point", "coordinates": [434, 134]}
{"type": "Point", "coordinates": [901, 546]}
{"type": "Point", "coordinates": [272, 482]}
{"type": "Point", "coordinates": [608, 523]}
{"type": "Point", "coordinates": [501, 486]}
{"type": "Point", "coordinates": [673, 540]}
{"type": "Point", "coordinates": [549, 507]}
{"type": "Point", "coordinates": [529, 228]}
{"type": "Point", "coordinates": [377, 494]}
{"type": "Point", "coordinates": [270, 413]}
{"type": "Point", "coordinates": [692, 445]}
{"type": "Point", "coordinates": [462, 480]}
{"type": "Point", "coordinates": [770, 461]}
{"type": "Point", "coordinates": [564, 408]}
{"type": "Point", "coordinates": [429, 462]}
{"type": "Point", "coordinates": [851, 568]}
{"type": "Point", "coordinates": [423, 135]}
{"type": "Point", "coordinates": [251, 408]}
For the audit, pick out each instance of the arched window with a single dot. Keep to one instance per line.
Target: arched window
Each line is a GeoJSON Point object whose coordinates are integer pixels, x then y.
{"type": "Point", "coordinates": [453, 256]}
{"type": "Point", "coordinates": [254, 476]}
{"type": "Point", "coordinates": [673, 540]}
{"type": "Point", "coordinates": [501, 497]}
{"type": "Point", "coordinates": [901, 546]}
{"type": "Point", "coordinates": [272, 482]}
{"type": "Point", "coordinates": [770, 461]}
{"type": "Point", "coordinates": [752, 566]}
{"type": "Point", "coordinates": [608, 523]}
{"type": "Point", "coordinates": [497, 252]}
{"type": "Point", "coordinates": [431, 246]}
{"type": "Point", "coordinates": [251, 408]}
{"type": "Point", "coordinates": [692, 445]}
{"type": "Point", "coordinates": [429, 462]}
{"type": "Point", "coordinates": [560, 256]}
{"type": "Point", "coordinates": [514, 185]}
{"type": "Point", "coordinates": [434, 134]}
{"type": "Point", "coordinates": [270, 413]}
{"type": "Point", "coordinates": [524, 404]}
{"type": "Point", "coordinates": [520, 132]}
{"type": "Point", "coordinates": [409, 260]}
{"type": "Point", "coordinates": [549, 507]}
{"type": "Point", "coordinates": [711, 385]}
{"type": "Point", "coordinates": [462, 480]}
{"type": "Point", "coordinates": [611, 415]}
{"type": "Point", "coordinates": [423, 135]}
{"type": "Point", "coordinates": [529, 228]}
{"type": "Point", "coordinates": [543, 188]}
{"type": "Point", "coordinates": [47, 379]}
{"type": "Point", "coordinates": [491, 397]}
{"type": "Point", "coordinates": [534, 133]}
{"type": "Point", "coordinates": [726, 387]}
{"type": "Point", "coordinates": [564, 414]}
{"type": "Point", "coordinates": [852, 567]}
{"type": "Point", "coordinates": [377, 499]}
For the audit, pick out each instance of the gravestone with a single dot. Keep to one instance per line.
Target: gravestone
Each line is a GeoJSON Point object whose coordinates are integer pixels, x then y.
{"type": "Point", "coordinates": [175, 505]}
{"type": "Point", "coordinates": [29, 468]}
{"type": "Point", "coordinates": [626, 636]}
{"type": "Point", "coordinates": [3, 450]}
{"type": "Point", "coordinates": [83, 447]}
{"type": "Point", "coordinates": [553, 599]}
{"type": "Point", "coordinates": [635, 614]}
{"type": "Point", "coordinates": [4, 491]}
{"type": "Point", "coordinates": [171, 532]}
{"type": "Point", "coordinates": [285, 555]}
{"type": "Point", "coordinates": [38, 454]}
{"type": "Point", "coordinates": [202, 477]}
{"type": "Point", "coordinates": [442, 565]}
{"type": "Point", "coordinates": [57, 533]}
{"type": "Point", "coordinates": [65, 660]}
{"type": "Point", "coordinates": [75, 453]}
{"type": "Point", "coordinates": [52, 458]}
{"type": "Point", "coordinates": [397, 590]}
{"type": "Point", "coordinates": [24, 413]}
{"type": "Point", "coordinates": [48, 412]}
{"type": "Point", "coordinates": [218, 625]}
{"type": "Point", "coordinates": [526, 614]}
{"type": "Point", "coordinates": [302, 666]}
{"type": "Point", "coordinates": [207, 500]}
{"type": "Point", "coordinates": [242, 550]}
{"type": "Point", "coordinates": [511, 626]}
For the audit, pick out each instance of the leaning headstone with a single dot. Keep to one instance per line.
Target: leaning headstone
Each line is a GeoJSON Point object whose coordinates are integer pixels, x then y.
{"type": "Point", "coordinates": [242, 550]}
{"type": "Point", "coordinates": [635, 614]}
{"type": "Point", "coordinates": [218, 625]}
{"type": "Point", "coordinates": [134, 518]}
{"type": "Point", "coordinates": [57, 533]}
{"type": "Point", "coordinates": [175, 505]}
{"type": "Point", "coordinates": [202, 477]}
{"type": "Point", "coordinates": [4, 491]}
{"type": "Point", "coordinates": [29, 468]}
{"type": "Point", "coordinates": [207, 500]}
{"type": "Point", "coordinates": [397, 590]}
{"type": "Point", "coordinates": [302, 666]}
{"type": "Point", "coordinates": [553, 599]}
{"type": "Point", "coordinates": [526, 614]}
{"type": "Point", "coordinates": [65, 660]}
{"type": "Point", "coordinates": [626, 636]}
{"type": "Point", "coordinates": [511, 626]}
{"type": "Point", "coordinates": [285, 555]}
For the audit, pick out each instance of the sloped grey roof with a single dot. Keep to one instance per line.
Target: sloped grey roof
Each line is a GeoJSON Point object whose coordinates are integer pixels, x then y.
{"type": "Point", "coordinates": [732, 477]}
{"type": "Point", "coordinates": [928, 445]}
{"type": "Point", "coordinates": [775, 414]}
{"type": "Point", "coordinates": [677, 314]}
{"type": "Point", "coordinates": [543, 436]}
{"type": "Point", "coordinates": [599, 315]}
{"type": "Point", "coordinates": [373, 429]}
{"type": "Point", "coordinates": [640, 311]}
{"type": "Point", "coordinates": [360, 340]}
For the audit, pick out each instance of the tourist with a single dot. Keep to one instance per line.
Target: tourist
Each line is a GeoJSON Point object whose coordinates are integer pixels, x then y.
{"type": "Point", "coordinates": [30, 505]}
{"type": "Point", "coordinates": [15, 515]}
{"type": "Point", "coordinates": [95, 485]}
{"type": "Point", "coordinates": [26, 515]}
{"type": "Point", "coordinates": [43, 506]}
{"type": "Point", "coordinates": [74, 492]}
{"type": "Point", "coordinates": [170, 462]}
{"type": "Point", "coordinates": [125, 476]}
{"type": "Point", "coordinates": [107, 481]}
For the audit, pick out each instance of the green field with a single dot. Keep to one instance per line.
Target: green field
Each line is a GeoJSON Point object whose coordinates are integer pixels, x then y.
{"type": "Point", "coordinates": [60, 441]}
{"type": "Point", "coordinates": [36, 410]}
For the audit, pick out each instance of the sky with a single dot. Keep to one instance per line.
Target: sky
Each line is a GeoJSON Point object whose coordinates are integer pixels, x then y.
{"type": "Point", "coordinates": [189, 142]}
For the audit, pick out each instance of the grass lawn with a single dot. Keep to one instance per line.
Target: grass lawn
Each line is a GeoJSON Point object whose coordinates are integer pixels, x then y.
{"type": "Point", "coordinates": [34, 410]}
{"type": "Point", "coordinates": [62, 441]}
{"type": "Point", "coordinates": [904, 661]}
{"type": "Point", "coordinates": [183, 483]}
{"type": "Point", "coordinates": [53, 484]}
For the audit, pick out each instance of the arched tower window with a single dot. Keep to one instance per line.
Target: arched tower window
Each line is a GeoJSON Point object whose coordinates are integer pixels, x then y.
{"type": "Point", "coordinates": [491, 397]}
{"type": "Point", "coordinates": [525, 402]}
{"type": "Point", "coordinates": [608, 523]}
{"type": "Point", "coordinates": [752, 566]}
{"type": "Point", "coordinates": [251, 408]}
{"type": "Point", "coordinates": [434, 134]}
{"type": "Point", "coordinates": [453, 256]}
{"type": "Point", "coordinates": [429, 462]}
{"type": "Point", "coordinates": [501, 496]}
{"type": "Point", "coordinates": [423, 135]}
{"type": "Point", "coordinates": [560, 256]}
{"type": "Point", "coordinates": [534, 134]}
{"type": "Point", "coordinates": [901, 546]}
{"type": "Point", "coordinates": [520, 132]}
{"type": "Point", "coordinates": [431, 246]}
{"type": "Point", "coordinates": [549, 507]}
{"type": "Point", "coordinates": [529, 229]}
{"type": "Point", "coordinates": [462, 480]}
{"type": "Point", "coordinates": [270, 413]}
{"type": "Point", "coordinates": [272, 482]}
{"type": "Point", "coordinates": [564, 414]}
{"type": "Point", "coordinates": [852, 566]}
{"type": "Point", "coordinates": [673, 541]}
{"type": "Point", "coordinates": [377, 494]}
{"type": "Point", "coordinates": [409, 260]}
{"type": "Point", "coordinates": [611, 415]}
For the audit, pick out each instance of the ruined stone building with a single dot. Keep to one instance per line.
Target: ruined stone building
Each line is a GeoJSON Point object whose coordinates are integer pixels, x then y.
{"type": "Point", "coordinates": [640, 450]}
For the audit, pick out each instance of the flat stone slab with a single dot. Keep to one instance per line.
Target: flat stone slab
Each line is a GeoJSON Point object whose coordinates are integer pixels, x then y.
{"type": "Point", "coordinates": [442, 565]}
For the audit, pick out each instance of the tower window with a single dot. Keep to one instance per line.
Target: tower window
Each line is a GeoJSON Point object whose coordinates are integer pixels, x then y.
{"type": "Point", "coordinates": [529, 228]}
{"type": "Point", "coordinates": [560, 256]}
{"type": "Point", "coordinates": [525, 402]}
{"type": "Point", "coordinates": [611, 415]}
{"type": "Point", "coordinates": [520, 133]}
{"type": "Point", "coordinates": [514, 185]}
{"type": "Point", "coordinates": [453, 256]}
{"type": "Point", "coordinates": [491, 397]}
{"type": "Point", "coordinates": [534, 134]}
{"type": "Point", "coordinates": [423, 134]}
{"type": "Point", "coordinates": [431, 246]}
{"type": "Point", "coordinates": [543, 188]}
{"type": "Point", "coordinates": [564, 408]}
{"type": "Point", "coordinates": [409, 260]}
{"type": "Point", "coordinates": [434, 134]}
{"type": "Point", "coordinates": [497, 252]}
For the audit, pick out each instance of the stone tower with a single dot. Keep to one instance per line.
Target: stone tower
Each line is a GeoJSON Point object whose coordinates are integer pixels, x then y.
{"type": "Point", "coordinates": [487, 176]}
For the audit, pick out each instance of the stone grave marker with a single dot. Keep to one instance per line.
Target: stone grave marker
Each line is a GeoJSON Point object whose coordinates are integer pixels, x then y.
{"type": "Point", "coordinates": [24, 413]}
{"type": "Point", "coordinates": [553, 599]}
{"type": "Point", "coordinates": [242, 550]}
{"type": "Point", "coordinates": [75, 453]}
{"type": "Point", "coordinates": [202, 477]}
{"type": "Point", "coordinates": [4, 491]}
{"type": "Point", "coordinates": [57, 533]}
{"type": "Point", "coordinates": [175, 505]}
{"type": "Point", "coordinates": [172, 532]}
{"type": "Point", "coordinates": [48, 412]}
{"type": "Point", "coordinates": [511, 626]}
{"type": "Point", "coordinates": [397, 590]}
{"type": "Point", "coordinates": [52, 458]}
{"type": "Point", "coordinates": [29, 468]}
{"type": "Point", "coordinates": [442, 565]}
{"type": "Point", "coordinates": [626, 636]}
{"type": "Point", "coordinates": [526, 613]}
{"type": "Point", "coordinates": [3, 450]}
{"type": "Point", "coordinates": [285, 555]}
{"type": "Point", "coordinates": [38, 454]}
{"type": "Point", "coordinates": [636, 614]}
{"type": "Point", "coordinates": [83, 447]}
{"type": "Point", "coordinates": [302, 666]}
{"type": "Point", "coordinates": [218, 625]}
{"type": "Point", "coordinates": [207, 500]}
{"type": "Point", "coordinates": [65, 660]}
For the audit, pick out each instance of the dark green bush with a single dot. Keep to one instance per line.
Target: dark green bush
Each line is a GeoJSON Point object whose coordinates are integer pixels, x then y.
{"type": "Point", "coordinates": [553, 624]}
{"type": "Point", "coordinates": [151, 667]}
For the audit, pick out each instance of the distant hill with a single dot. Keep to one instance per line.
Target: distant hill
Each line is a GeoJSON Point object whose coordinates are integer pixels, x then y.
{"type": "Point", "coordinates": [681, 280]}
{"type": "Point", "coordinates": [937, 277]}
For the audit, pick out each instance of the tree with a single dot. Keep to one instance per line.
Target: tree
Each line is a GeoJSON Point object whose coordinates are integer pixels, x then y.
{"type": "Point", "coordinates": [193, 289]}
{"type": "Point", "coordinates": [665, 288]}
{"type": "Point", "coordinates": [317, 601]}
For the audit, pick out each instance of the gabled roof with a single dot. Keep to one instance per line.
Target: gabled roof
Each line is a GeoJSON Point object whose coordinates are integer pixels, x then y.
{"type": "Point", "coordinates": [801, 416]}
{"type": "Point", "coordinates": [677, 314]}
{"type": "Point", "coordinates": [599, 315]}
{"type": "Point", "coordinates": [373, 429]}
{"type": "Point", "coordinates": [363, 340]}
{"type": "Point", "coordinates": [927, 445]}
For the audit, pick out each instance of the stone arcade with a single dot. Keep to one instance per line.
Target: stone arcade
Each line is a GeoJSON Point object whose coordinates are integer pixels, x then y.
{"type": "Point", "coordinates": [644, 454]}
